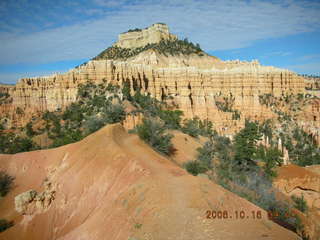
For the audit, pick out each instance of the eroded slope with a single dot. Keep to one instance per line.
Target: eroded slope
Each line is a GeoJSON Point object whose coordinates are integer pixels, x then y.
{"type": "Point", "coordinates": [111, 185]}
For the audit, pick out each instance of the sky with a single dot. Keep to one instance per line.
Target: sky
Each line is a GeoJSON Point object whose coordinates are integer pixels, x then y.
{"type": "Point", "coordinates": [41, 37]}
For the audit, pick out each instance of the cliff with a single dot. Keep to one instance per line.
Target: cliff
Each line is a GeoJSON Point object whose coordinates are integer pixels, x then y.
{"type": "Point", "coordinates": [141, 37]}
{"type": "Point", "coordinates": [194, 83]}
{"type": "Point", "coordinates": [313, 85]}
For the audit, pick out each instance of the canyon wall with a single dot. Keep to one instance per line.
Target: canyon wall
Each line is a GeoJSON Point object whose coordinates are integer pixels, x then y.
{"type": "Point", "coordinates": [193, 83]}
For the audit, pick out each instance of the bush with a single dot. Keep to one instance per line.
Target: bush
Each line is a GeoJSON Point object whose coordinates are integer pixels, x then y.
{"type": "Point", "coordinates": [148, 104]}
{"type": "Point", "coordinates": [135, 30]}
{"type": "Point", "coordinates": [29, 130]}
{"type": "Point", "coordinates": [67, 137]}
{"type": "Point", "coordinates": [171, 119]}
{"type": "Point", "coordinates": [166, 47]}
{"type": "Point", "coordinates": [114, 113]}
{"type": "Point", "coordinates": [300, 203]}
{"type": "Point", "coordinates": [73, 113]}
{"type": "Point", "coordinates": [305, 150]}
{"type": "Point", "coordinates": [98, 101]}
{"type": "Point", "coordinates": [191, 127]}
{"type": "Point", "coordinates": [206, 154]}
{"type": "Point", "coordinates": [4, 95]}
{"type": "Point", "coordinates": [10, 143]}
{"type": "Point", "coordinates": [4, 225]}
{"type": "Point", "coordinates": [6, 183]}
{"type": "Point", "coordinates": [153, 132]}
{"type": "Point", "coordinates": [112, 88]}
{"type": "Point", "coordinates": [205, 127]}
{"type": "Point", "coordinates": [92, 124]}
{"type": "Point", "coordinates": [195, 167]}
{"type": "Point", "coordinates": [49, 116]}
{"type": "Point", "coordinates": [195, 127]}
{"type": "Point", "coordinates": [126, 91]}
{"type": "Point", "coordinates": [271, 157]}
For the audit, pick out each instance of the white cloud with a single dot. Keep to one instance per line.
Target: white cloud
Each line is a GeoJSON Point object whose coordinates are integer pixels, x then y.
{"type": "Point", "coordinates": [216, 25]}
{"type": "Point", "coordinates": [309, 57]}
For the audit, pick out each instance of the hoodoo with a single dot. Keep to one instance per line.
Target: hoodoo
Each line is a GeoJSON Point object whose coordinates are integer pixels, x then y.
{"type": "Point", "coordinates": [156, 62]}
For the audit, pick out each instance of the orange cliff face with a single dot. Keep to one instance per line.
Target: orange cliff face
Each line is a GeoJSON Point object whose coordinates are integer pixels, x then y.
{"type": "Point", "coordinates": [111, 185]}
{"type": "Point", "coordinates": [193, 82]}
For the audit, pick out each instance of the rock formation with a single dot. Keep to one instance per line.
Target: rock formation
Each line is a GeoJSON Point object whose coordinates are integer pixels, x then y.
{"type": "Point", "coordinates": [141, 37]}
{"type": "Point", "coordinates": [31, 202]}
{"type": "Point", "coordinates": [296, 181]}
{"type": "Point", "coordinates": [192, 81]}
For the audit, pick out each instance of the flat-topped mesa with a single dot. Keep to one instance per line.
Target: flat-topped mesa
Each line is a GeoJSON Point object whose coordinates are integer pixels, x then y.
{"type": "Point", "coordinates": [237, 62]}
{"type": "Point", "coordinates": [141, 37]}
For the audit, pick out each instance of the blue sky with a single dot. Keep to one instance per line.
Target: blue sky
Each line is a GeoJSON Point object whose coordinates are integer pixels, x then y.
{"type": "Point", "coordinates": [40, 37]}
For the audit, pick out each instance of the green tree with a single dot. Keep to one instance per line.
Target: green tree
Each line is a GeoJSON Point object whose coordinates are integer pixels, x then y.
{"type": "Point", "coordinates": [126, 91]}
{"type": "Point", "coordinates": [29, 130]}
{"type": "Point", "coordinates": [245, 145]}
{"type": "Point", "coordinates": [191, 127]}
{"type": "Point", "coordinates": [153, 132]}
{"type": "Point", "coordinates": [73, 113]}
{"type": "Point", "coordinates": [6, 183]}
{"type": "Point", "coordinates": [114, 113]}
{"type": "Point", "coordinates": [171, 119]}
{"type": "Point", "coordinates": [206, 154]}
{"type": "Point", "coordinates": [271, 158]}
{"type": "Point", "coordinates": [195, 167]}
{"type": "Point", "coordinates": [300, 203]}
{"type": "Point", "coordinates": [4, 225]}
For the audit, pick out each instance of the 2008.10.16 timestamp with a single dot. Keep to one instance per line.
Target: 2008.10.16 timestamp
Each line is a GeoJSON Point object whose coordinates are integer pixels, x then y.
{"type": "Point", "coordinates": [211, 214]}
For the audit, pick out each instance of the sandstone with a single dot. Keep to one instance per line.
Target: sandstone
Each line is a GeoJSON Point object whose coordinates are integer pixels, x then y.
{"type": "Point", "coordinates": [297, 181]}
{"type": "Point", "coordinates": [141, 37]}
{"type": "Point", "coordinates": [192, 81]}
{"type": "Point", "coordinates": [192, 88]}
{"type": "Point", "coordinates": [32, 202]}
{"type": "Point", "coordinates": [23, 199]}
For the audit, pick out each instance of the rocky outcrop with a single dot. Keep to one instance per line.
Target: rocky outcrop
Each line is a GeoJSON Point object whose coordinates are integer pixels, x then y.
{"type": "Point", "coordinates": [141, 37]}
{"type": "Point", "coordinates": [23, 200]}
{"type": "Point", "coordinates": [192, 82]}
{"type": "Point", "coordinates": [313, 85]}
{"type": "Point", "coordinates": [296, 181]}
{"type": "Point", "coordinates": [31, 202]}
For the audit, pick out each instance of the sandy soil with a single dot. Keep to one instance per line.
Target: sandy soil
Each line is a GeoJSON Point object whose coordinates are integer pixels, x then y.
{"type": "Point", "coordinates": [113, 186]}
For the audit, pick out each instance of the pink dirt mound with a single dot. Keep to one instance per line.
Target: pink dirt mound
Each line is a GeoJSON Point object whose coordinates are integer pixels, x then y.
{"type": "Point", "coordinates": [186, 147]}
{"type": "Point", "coordinates": [297, 181]}
{"type": "Point", "coordinates": [113, 186]}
